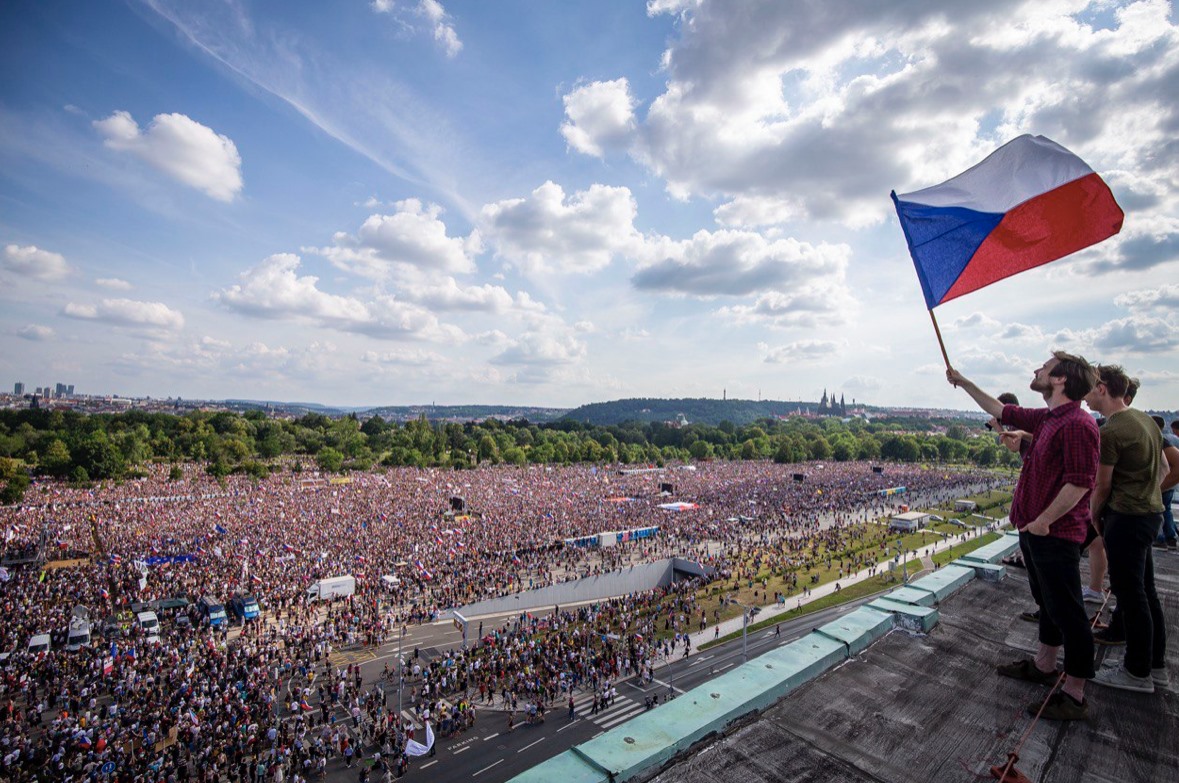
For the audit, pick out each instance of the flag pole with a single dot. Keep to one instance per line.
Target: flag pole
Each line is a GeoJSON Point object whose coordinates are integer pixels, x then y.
{"type": "Point", "coordinates": [940, 343]}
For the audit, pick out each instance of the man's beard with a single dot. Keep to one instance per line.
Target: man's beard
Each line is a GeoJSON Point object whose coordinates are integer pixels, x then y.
{"type": "Point", "coordinates": [1043, 387]}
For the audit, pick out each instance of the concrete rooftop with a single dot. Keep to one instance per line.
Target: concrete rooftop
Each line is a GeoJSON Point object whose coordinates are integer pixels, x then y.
{"type": "Point", "coordinates": [931, 708]}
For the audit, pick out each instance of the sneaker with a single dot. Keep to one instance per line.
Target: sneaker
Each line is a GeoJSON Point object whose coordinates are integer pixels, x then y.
{"type": "Point", "coordinates": [1160, 678]}
{"type": "Point", "coordinates": [1107, 639]}
{"type": "Point", "coordinates": [1092, 596]}
{"type": "Point", "coordinates": [1025, 669]}
{"type": "Point", "coordinates": [1031, 617]}
{"type": "Point", "coordinates": [1122, 679]}
{"type": "Point", "coordinates": [1060, 706]}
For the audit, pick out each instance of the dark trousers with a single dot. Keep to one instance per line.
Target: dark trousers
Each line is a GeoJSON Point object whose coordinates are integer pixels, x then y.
{"type": "Point", "coordinates": [1054, 573]}
{"type": "Point", "coordinates": [1128, 540]}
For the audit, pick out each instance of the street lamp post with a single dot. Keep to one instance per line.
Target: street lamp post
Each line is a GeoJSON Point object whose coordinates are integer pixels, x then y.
{"type": "Point", "coordinates": [400, 670]}
{"type": "Point", "coordinates": [745, 610]}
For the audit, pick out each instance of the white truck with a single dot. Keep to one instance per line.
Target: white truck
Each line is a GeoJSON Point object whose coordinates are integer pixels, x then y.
{"type": "Point", "coordinates": [332, 587]}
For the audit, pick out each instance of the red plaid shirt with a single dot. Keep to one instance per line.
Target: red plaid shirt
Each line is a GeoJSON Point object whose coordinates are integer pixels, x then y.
{"type": "Point", "coordinates": [1065, 450]}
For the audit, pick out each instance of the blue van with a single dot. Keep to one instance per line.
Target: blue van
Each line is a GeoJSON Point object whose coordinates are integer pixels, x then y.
{"type": "Point", "coordinates": [212, 610]}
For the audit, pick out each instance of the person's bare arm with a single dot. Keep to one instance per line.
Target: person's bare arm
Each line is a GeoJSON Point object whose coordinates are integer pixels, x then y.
{"type": "Point", "coordinates": [985, 401]}
{"type": "Point", "coordinates": [1171, 479]}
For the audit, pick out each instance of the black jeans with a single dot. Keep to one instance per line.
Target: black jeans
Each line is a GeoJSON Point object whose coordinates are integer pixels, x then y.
{"type": "Point", "coordinates": [1128, 540]}
{"type": "Point", "coordinates": [1054, 573]}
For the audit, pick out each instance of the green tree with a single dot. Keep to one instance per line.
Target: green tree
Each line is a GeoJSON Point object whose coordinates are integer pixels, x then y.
{"type": "Point", "coordinates": [98, 456]}
{"type": "Point", "coordinates": [56, 460]}
{"type": "Point", "coordinates": [329, 460]}
{"type": "Point", "coordinates": [14, 488]}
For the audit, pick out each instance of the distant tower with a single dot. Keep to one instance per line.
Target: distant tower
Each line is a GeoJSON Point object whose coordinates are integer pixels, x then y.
{"type": "Point", "coordinates": [842, 406]}
{"type": "Point", "coordinates": [724, 394]}
{"type": "Point", "coordinates": [823, 402]}
{"type": "Point", "coordinates": [18, 389]}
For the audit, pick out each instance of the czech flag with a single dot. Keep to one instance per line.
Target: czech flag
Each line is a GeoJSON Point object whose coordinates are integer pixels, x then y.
{"type": "Point", "coordinates": [1028, 203]}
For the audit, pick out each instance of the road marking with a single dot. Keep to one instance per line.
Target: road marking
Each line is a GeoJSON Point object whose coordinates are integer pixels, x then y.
{"type": "Point", "coordinates": [480, 772]}
{"type": "Point", "coordinates": [727, 665]}
{"type": "Point", "coordinates": [665, 685]}
{"type": "Point", "coordinates": [621, 717]}
{"type": "Point", "coordinates": [567, 725]}
{"type": "Point", "coordinates": [526, 747]}
{"type": "Point", "coordinates": [462, 750]}
{"type": "Point", "coordinates": [430, 763]}
{"type": "Point", "coordinates": [491, 736]}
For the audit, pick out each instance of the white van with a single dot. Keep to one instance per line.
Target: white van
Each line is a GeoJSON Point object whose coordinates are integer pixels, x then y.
{"type": "Point", "coordinates": [39, 644]}
{"type": "Point", "coordinates": [79, 635]}
{"type": "Point", "coordinates": [150, 625]}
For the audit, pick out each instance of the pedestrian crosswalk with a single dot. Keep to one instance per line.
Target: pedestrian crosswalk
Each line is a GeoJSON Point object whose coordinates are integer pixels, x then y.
{"type": "Point", "coordinates": [412, 719]}
{"type": "Point", "coordinates": [620, 711]}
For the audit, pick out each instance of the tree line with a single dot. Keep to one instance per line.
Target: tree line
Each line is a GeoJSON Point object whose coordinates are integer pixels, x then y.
{"type": "Point", "coordinates": [83, 448]}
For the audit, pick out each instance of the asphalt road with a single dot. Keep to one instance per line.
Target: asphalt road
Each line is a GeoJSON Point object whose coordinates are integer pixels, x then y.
{"type": "Point", "coordinates": [489, 753]}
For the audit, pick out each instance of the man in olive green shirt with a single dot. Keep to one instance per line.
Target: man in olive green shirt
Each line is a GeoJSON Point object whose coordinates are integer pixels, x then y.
{"type": "Point", "coordinates": [1127, 509]}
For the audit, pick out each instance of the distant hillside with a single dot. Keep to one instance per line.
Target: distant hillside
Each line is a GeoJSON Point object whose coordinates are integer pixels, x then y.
{"type": "Point", "coordinates": [696, 411]}
{"type": "Point", "coordinates": [464, 413]}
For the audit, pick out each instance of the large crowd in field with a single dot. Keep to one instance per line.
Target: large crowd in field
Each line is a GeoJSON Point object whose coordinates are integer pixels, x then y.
{"type": "Point", "coordinates": [266, 703]}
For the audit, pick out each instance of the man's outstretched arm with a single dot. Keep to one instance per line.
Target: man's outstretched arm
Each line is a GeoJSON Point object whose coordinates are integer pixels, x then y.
{"type": "Point", "coordinates": [985, 401]}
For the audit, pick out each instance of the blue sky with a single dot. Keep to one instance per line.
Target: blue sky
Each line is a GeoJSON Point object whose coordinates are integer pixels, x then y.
{"type": "Point", "coordinates": [401, 201]}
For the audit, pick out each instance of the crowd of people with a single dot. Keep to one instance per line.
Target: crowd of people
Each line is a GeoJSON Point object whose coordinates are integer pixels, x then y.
{"type": "Point", "coordinates": [266, 703]}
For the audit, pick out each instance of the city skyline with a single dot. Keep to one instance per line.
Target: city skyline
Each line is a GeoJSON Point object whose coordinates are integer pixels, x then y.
{"type": "Point", "coordinates": [391, 202]}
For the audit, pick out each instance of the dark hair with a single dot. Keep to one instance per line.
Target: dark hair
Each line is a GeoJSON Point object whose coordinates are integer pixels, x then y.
{"type": "Point", "coordinates": [1007, 398]}
{"type": "Point", "coordinates": [1159, 421]}
{"type": "Point", "coordinates": [1117, 383]}
{"type": "Point", "coordinates": [1079, 376]}
{"type": "Point", "coordinates": [1132, 386]}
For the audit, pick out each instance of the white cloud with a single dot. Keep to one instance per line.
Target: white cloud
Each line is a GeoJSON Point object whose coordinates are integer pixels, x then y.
{"type": "Point", "coordinates": [858, 384]}
{"type": "Point", "coordinates": [35, 332]}
{"type": "Point", "coordinates": [180, 147]}
{"type": "Point", "coordinates": [261, 366]}
{"type": "Point", "coordinates": [407, 357]}
{"type": "Point", "coordinates": [808, 306]}
{"type": "Point", "coordinates": [412, 237]}
{"type": "Point", "coordinates": [274, 290]}
{"type": "Point", "coordinates": [128, 312]}
{"type": "Point", "coordinates": [1135, 335]}
{"type": "Point", "coordinates": [443, 30]}
{"type": "Point", "coordinates": [113, 283]}
{"type": "Point", "coordinates": [801, 351]}
{"type": "Point", "coordinates": [448, 295]}
{"type": "Point", "coordinates": [547, 233]}
{"type": "Point", "coordinates": [549, 342]}
{"type": "Point", "coordinates": [737, 263]}
{"type": "Point", "coordinates": [31, 261]}
{"type": "Point", "coordinates": [1165, 297]}
{"type": "Point", "coordinates": [437, 19]}
{"type": "Point", "coordinates": [600, 114]}
{"type": "Point", "coordinates": [797, 110]}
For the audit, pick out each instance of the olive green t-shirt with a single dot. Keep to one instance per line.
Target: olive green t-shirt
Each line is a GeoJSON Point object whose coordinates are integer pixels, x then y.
{"type": "Point", "coordinates": [1133, 444]}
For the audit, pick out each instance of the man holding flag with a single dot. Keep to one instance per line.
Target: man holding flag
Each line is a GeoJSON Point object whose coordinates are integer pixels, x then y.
{"type": "Point", "coordinates": [1051, 511]}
